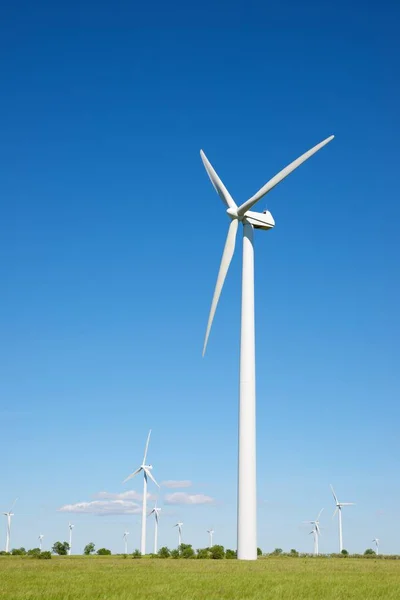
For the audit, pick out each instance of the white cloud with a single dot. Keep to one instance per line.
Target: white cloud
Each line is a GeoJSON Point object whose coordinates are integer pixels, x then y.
{"type": "Point", "coordinates": [129, 495]}
{"type": "Point", "coordinates": [184, 498]}
{"type": "Point", "coordinates": [103, 507]}
{"type": "Point", "coordinates": [171, 483]}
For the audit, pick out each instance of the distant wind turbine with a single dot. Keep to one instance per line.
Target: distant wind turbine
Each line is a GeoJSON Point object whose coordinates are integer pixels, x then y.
{"type": "Point", "coordinates": [338, 510]}
{"type": "Point", "coordinates": [316, 531]}
{"type": "Point", "coordinates": [9, 514]}
{"type": "Point", "coordinates": [156, 512]}
{"type": "Point", "coordinates": [179, 526]}
{"type": "Point", "coordinates": [70, 527]}
{"type": "Point", "coordinates": [211, 533]}
{"type": "Point", "coordinates": [146, 473]}
{"type": "Point", "coordinates": [376, 541]}
{"type": "Point", "coordinates": [243, 214]}
{"type": "Point", "coordinates": [40, 538]}
{"type": "Point", "coordinates": [125, 536]}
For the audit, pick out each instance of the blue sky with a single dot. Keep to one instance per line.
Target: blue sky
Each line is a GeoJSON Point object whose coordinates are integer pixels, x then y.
{"type": "Point", "coordinates": [110, 240]}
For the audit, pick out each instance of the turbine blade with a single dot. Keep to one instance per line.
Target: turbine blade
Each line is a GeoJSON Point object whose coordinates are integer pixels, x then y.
{"type": "Point", "coordinates": [319, 514]}
{"type": "Point", "coordinates": [132, 474]}
{"type": "Point", "coordinates": [146, 448]}
{"type": "Point", "coordinates": [149, 474]}
{"type": "Point", "coordinates": [217, 183]}
{"type": "Point", "coordinates": [336, 509]}
{"type": "Point", "coordinates": [280, 176]}
{"type": "Point", "coordinates": [227, 255]}
{"type": "Point", "coordinates": [13, 504]}
{"type": "Point", "coordinates": [347, 504]}
{"type": "Point", "coordinates": [334, 495]}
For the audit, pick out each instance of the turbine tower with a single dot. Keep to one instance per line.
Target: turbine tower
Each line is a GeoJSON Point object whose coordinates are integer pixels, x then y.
{"type": "Point", "coordinates": [247, 517]}
{"type": "Point", "coordinates": [146, 473]}
{"type": "Point", "coordinates": [316, 531]}
{"type": "Point", "coordinates": [338, 510]}
{"type": "Point", "coordinates": [70, 527]}
{"type": "Point", "coordinates": [376, 542]}
{"type": "Point", "coordinates": [40, 538]}
{"type": "Point", "coordinates": [125, 536]}
{"type": "Point", "coordinates": [211, 533]}
{"type": "Point", "coordinates": [9, 514]}
{"type": "Point", "coordinates": [156, 512]}
{"type": "Point", "coordinates": [179, 526]}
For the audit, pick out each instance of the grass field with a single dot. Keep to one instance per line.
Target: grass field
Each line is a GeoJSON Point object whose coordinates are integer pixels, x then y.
{"type": "Point", "coordinates": [116, 578]}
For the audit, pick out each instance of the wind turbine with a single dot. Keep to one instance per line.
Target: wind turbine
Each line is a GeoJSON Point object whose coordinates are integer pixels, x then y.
{"type": "Point", "coordinates": [40, 538]}
{"type": "Point", "coordinates": [125, 536]}
{"type": "Point", "coordinates": [146, 473]}
{"type": "Point", "coordinates": [316, 531]}
{"type": "Point", "coordinates": [338, 510]}
{"type": "Point", "coordinates": [179, 526]}
{"type": "Point", "coordinates": [9, 514]}
{"type": "Point", "coordinates": [211, 533]}
{"type": "Point", "coordinates": [376, 541]}
{"type": "Point", "coordinates": [70, 527]}
{"type": "Point", "coordinates": [247, 517]}
{"type": "Point", "coordinates": [156, 512]}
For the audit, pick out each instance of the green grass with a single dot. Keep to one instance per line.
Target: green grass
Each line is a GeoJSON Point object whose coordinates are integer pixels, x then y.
{"type": "Point", "coordinates": [115, 578]}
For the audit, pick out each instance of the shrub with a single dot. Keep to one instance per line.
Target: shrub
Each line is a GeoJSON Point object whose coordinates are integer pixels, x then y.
{"type": "Point", "coordinates": [33, 552]}
{"type": "Point", "coordinates": [103, 552]}
{"type": "Point", "coordinates": [45, 555]}
{"type": "Point", "coordinates": [369, 551]}
{"type": "Point", "coordinates": [88, 549]}
{"type": "Point", "coordinates": [203, 553]}
{"type": "Point", "coordinates": [277, 551]}
{"type": "Point", "coordinates": [186, 551]}
{"type": "Point", "coordinates": [230, 553]}
{"type": "Point", "coordinates": [18, 551]}
{"type": "Point", "coordinates": [164, 552]}
{"type": "Point", "coordinates": [60, 548]}
{"type": "Point", "coordinates": [136, 554]}
{"type": "Point", "coordinates": [175, 553]}
{"type": "Point", "coordinates": [293, 552]}
{"type": "Point", "coordinates": [217, 552]}
{"type": "Point", "coordinates": [259, 552]}
{"type": "Point", "coordinates": [344, 552]}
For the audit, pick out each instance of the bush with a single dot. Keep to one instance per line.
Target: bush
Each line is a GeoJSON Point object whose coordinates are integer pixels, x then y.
{"type": "Point", "coordinates": [203, 553]}
{"type": "Point", "coordinates": [60, 548]}
{"type": "Point", "coordinates": [217, 552]}
{"type": "Point", "coordinates": [45, 555]}
{"type": "Point", "coordinates": [230, 553]}
{"type": "Point", "coordinates": [259, 552]}
{"type": "Point", "coordinates": [88, 549]}
{"type": "Point", "coordinates": [103, 552]}
{"type": "Point", "coordinates": [293, 552]}
{"type": "Point", "coordinates": [344, 552]}
{"type": "Point", "coordinates": [164, 552]}
{"type": "Point", "coordinates": [136, 554]}
{"type": "Point", "coordinates": [369, 551]}
{"type": "Point", "coordinates": [33, 552]}
{"type": "Point", "coordinates": [277, 551]}
{"type": "Point", "coordinates": [186, 551]}
{"type": "Point", "coordinates": [18, 552]}
{"type": "Point", "coordinates": [175, 553]}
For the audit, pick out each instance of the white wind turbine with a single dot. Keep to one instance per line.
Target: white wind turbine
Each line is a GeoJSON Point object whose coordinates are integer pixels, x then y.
{"type": "Point", "coordinates": [146, 473]}
{"type": "Point", "coordinates": [9, 514]}
{"type": "Point", "coordinates": [376, 542]}
{"type": "Point", "coordinates": [316, 531]}
{"type": "Point", "coordinates": [125, 536]}
{"type": "Point", "coordinates": [156, 512]}
{"type": "Point", "coordinates": [211, 533]}
{"type": "Point", "coordinates": [247, 517]}
{"type": "Point", "coordinates": [338, 510]}
{"type": "Point", "coordinates": [70, 527]}
{"type": "Point", "coordinates": [179, 526]}
{"type": "Point", "coordinates": [40, 538]}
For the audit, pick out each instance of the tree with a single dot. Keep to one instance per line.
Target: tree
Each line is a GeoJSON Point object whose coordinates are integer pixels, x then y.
{"type": "Point", "coordinates": [60, 548]}
{"type": "Point", "coordinates": [294, 552]}
{"type": "Point", "coordinates": [259, 552]}
{"type": "Point", "coordinates": [369, 551]}
{"type": "Point", "coordinates": [44, 555]}
{"type": "Point", "coordinates": [344, 552]}
{"type": "Point", "coordinates": [103, 551]}
{"type": "Point", "coordinates": [217, 552]}
{"type": "Point", "coordinates": [186, 551]}
{"type": "Point", "coordinates": [230, 553]}
{"type": "Point", "coordinates": [164, 552]}
{"type": "Point", "coordinates": [18, 551]}
{"type": "Point", "coordinates": [203, 553]}
{"type": "Point", "coordinates": [137, 554]}
{"type": "Point", "coordinates": [88, 549]}
{"type": "Point", "coordinates": [175, 553]}
{"type": "Point", "coordinates": [34, 552]}
{"type": "Point", "coordinates": [278, 551]}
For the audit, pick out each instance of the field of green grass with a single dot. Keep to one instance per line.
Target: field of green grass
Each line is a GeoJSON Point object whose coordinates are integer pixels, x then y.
{"type": "Point", "coordinates": [116, 578]}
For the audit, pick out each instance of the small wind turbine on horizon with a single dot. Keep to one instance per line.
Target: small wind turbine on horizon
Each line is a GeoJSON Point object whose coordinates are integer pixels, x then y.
{"type": "Point", "coordinates": [247, 496]}
{"type": "Point", "coordinates": [179, 526]}
{"type": "Point", "coordinates": [211, 533]}
{"type": "Point", "coordinates": [40, 538]}
{"type": "Point", "coordinates": [316, 531]}
{"type": "Point", "coordinates": [9, 514]}
{"type": "Point", "coordinates": [70, 527]}
{"type": "Point", "coordinates": [338, 510]}
{"type": "Point", "coordinates": [125, 536]}
{"type": "Point", "coordinates": [156, 512]}
{"type": "Point", "coordinates": [376, 542]}
{"type": "Point", "coordinates": [146, 473]}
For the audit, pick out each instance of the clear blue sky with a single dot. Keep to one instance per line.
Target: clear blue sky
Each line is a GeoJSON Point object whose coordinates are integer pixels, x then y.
{"type": "Point", "coordinates": [110, 239]}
